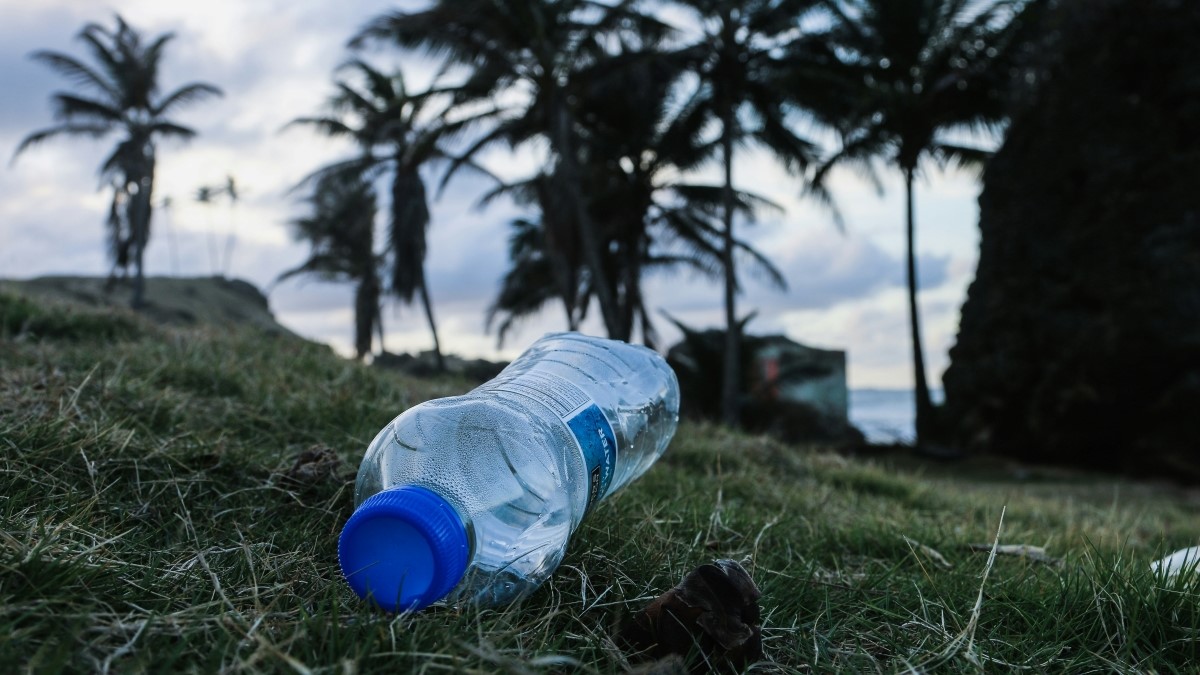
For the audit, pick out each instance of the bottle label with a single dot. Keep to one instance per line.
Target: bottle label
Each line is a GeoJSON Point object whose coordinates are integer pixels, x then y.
{"type": "Point", "coordinates": [595, 437]}
{"type": "Point", "coordinates": [589, 426]}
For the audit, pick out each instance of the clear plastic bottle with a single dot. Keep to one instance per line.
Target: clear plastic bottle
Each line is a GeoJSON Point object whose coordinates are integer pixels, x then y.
{"type": "Point", "coordinates": [472, 498]}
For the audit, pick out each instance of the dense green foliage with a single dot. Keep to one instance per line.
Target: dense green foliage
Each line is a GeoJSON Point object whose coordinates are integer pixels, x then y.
{"type": "Point", "coordinates": [154, 518]}
{"type": "Point", "coordinates": [1078, 341]}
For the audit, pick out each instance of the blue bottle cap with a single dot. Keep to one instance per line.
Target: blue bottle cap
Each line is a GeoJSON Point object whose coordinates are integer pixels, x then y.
{"type": "Point", "coordinates": [404, 548]}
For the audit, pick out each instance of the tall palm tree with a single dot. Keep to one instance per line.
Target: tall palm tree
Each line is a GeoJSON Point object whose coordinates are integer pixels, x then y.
{"type": "Point", "coordinates": [926, 70]}
{"type": "Point", "coordinates": [625, 141]}
{"type": "Point", "coordinates": [387, 123]}
{"type": "Point", "coordinates": [737, 61]}
{"type": "Point", "coordinates": [533, 48]}
{"type": "Point", "coordinates": [120, 94]}
{"type": "Point", "coordinates": [340, 229]}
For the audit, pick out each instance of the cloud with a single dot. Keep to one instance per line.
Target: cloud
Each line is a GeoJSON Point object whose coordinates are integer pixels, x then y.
{"type": "Point", "coordinates": [823, 269]}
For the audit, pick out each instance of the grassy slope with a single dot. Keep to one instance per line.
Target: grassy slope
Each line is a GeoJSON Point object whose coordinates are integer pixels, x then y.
{"type": "Point", "coordinates": [147, 522]}
{"type": "Point", "coordinates": [179, 301]}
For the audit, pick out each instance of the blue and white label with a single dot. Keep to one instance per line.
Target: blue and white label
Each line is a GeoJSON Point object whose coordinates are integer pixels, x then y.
{"type": "Point", "coordinates": [595, 437]}
{"type": "Point", "coordinates": [589, 426]}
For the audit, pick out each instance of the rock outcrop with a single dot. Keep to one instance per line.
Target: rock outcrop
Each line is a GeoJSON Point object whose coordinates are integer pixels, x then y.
{"type": "Point", "coordinates": [180, 301]}
{"type": "Point", "coordinates": [1080, 337]}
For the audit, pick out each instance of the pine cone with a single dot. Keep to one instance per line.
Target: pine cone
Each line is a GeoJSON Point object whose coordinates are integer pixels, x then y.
{"type": "Point", "coordinates": [712, 615]}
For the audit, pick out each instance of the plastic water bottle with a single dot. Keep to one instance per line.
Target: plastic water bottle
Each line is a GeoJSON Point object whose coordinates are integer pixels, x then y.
{"type": "Point", "coordinates": [472, 498]}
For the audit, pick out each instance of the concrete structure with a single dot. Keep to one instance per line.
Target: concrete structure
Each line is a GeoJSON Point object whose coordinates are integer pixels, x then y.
{"type": "Point", "coordinates": [790, 372]}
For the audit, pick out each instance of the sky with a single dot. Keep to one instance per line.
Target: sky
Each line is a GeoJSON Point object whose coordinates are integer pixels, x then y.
{"type": "Point", "coordinates": [275, 61]}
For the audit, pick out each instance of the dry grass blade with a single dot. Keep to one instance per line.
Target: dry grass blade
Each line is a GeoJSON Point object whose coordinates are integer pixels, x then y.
{"type": "Point", "coordinates": [1034, 553]}
{"type": "Point", "coordinates": [929, 552]}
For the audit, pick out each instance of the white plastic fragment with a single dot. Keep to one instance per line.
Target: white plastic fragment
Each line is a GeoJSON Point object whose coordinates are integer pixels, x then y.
{"type": "Point", "coordinates": [1183, 560]}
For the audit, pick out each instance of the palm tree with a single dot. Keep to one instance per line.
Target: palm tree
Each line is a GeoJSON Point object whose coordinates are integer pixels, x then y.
{"type": "Point", "coordinates": [625, 141]}
{"type": "Point", "coordinates": [532, 281]}
{"type": "Point", "coordinates": [738, 60]}
{"type": "Point", "coordinates": [341, 232]}
{"type": "Point", "coordinates": [386, 122]}
{"type": "Point", "coordinates": [637, 142]}
{"type": "Point", "coordinates": [682, 229]}
{"type": "Point", "coordinates": [208, 195]}
{"type": "Point", "coordinates": [533, 48]}
{"type": "Point", "coordinates": [120, 94]}
{"type": "Point", "coordinates": [926, 69]}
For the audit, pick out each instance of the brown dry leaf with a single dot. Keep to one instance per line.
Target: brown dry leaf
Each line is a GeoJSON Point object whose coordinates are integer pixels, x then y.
{"type": "Point", "coordinates": [313, 466]}
{"type": "Point", "coordinates": [713, 611]}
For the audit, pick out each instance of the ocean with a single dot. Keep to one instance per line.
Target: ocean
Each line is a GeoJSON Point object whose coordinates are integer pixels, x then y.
{"type": "Point", "coordinates": [886, 415]}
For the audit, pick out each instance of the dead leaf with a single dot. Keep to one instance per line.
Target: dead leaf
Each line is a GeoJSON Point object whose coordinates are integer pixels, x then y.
{"type": "Point", "coordinates": [713, 612]}
{"type": "Point", "coordinates": [313, 466]}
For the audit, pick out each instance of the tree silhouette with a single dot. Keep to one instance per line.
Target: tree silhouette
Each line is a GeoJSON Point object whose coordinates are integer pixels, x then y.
{"type": "Point", "coordinates": [682, 231]}
{"type": "Point", "coordinates": [531, 49]}
{"type": "Point", "coordinates": [638, 144]}
{"type": "Point", "coordinates": [737, 61]}
{"type": "Point", "coordinates": [340, 229]}
{"type": "Point", "coordinates": [386, 122]}
{"type": "Point", "coordinates": [120, 94]}
{"type": "Point", "coordinates": [208, 195]}
{"type": "Point", "coordinates": [925, 70]}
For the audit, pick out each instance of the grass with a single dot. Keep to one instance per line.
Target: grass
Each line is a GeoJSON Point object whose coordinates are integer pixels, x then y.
{"type": "Point", "coordinates": [149, 521]}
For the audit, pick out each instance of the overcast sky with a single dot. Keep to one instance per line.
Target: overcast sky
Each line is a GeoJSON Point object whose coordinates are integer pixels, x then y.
{"type": "Point", "coordinates": [274, 59]}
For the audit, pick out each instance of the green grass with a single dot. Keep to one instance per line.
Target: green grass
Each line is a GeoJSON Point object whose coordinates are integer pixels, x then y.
{"type": "Point", "coordinates": [147, 523]}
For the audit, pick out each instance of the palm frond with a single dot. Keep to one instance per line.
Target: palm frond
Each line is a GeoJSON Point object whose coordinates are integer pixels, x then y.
{"type": "Point", "coordinates": [171, 129]}
{"type": "Point", "coordinates": [501, 132]}
{"type": "Point", "coordinates": [79, 73]}
{"type": "Point", "coordinates": [350, 99]}
{"type": "Point", "coordinates": [69, 107]}
{"type": "Point", "coordinates": [185, 95]}
{"type": "Point", "coordinates": [760, 266]}
{"type": "Point", "coordinates": [73, 129]}
{"type": "Point", "coordinates": [960, 156]}
{"type": "Point", "coordinates": [103, 54]}
{"type": "Point", "coordinates": [381, 86]}
{"type": "Point", "coordinates": [328, 126]}
{"type": "Point", "coordinates": [361, 165]}
{"type": "Point", "coordinates": [323, 265]}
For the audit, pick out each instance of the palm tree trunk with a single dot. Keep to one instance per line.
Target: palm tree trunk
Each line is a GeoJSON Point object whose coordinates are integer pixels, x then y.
{"type": "Point", "coordinates": [924, 404]}
{"type": "Point", "coordinates": [631, 270]}
{"type": "Point", "coordinates": [731, 375]}
{"type": "Point", "coordinates": [379, 324]}
{"type": "Point", "coordinates": [141, 231]}
{"type": "Point", "coordinates": [139, 279]}
{"type": "Point", "coordinates": [366, 305]}
{"type": "Point", "coordinates": [592, 243]}
{"type": "Point", "coordinates": [437, 345]}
